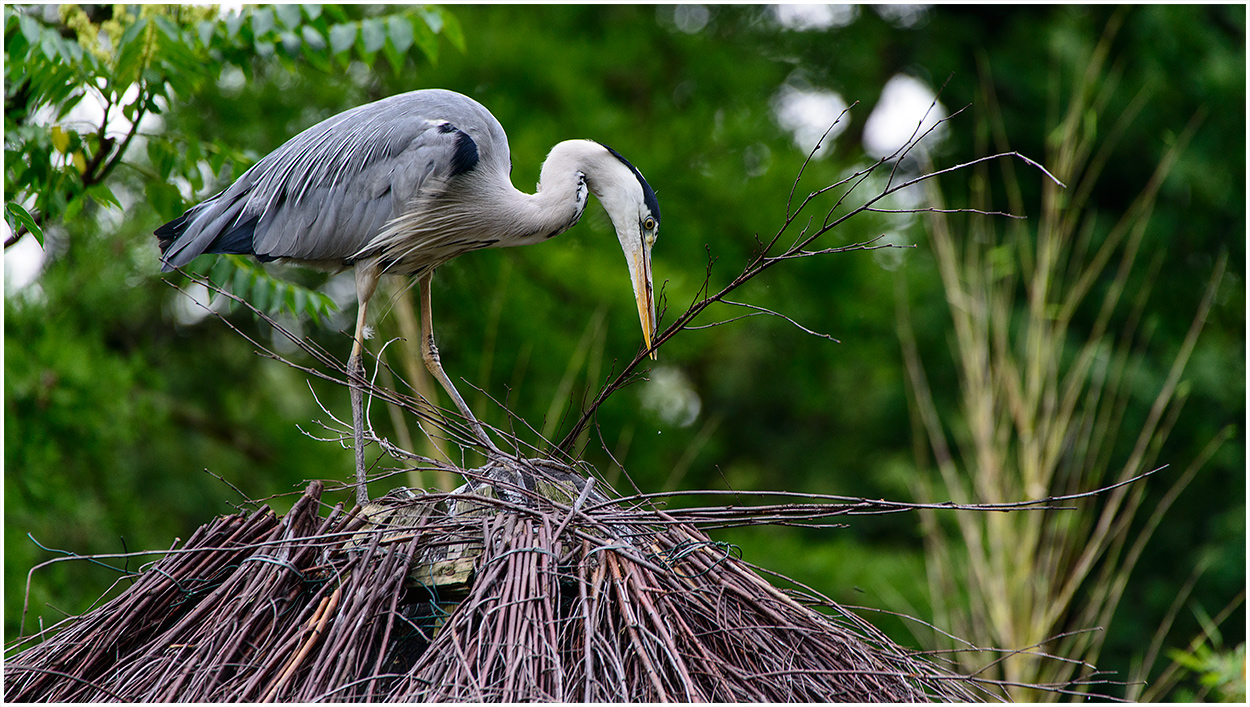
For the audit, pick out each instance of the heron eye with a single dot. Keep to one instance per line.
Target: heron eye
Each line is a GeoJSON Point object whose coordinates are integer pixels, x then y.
{"type": "Point", "coordinates": [648, 224]}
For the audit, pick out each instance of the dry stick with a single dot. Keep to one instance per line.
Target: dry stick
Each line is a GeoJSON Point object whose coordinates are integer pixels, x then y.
{"type": "Point", "coordinates": [411, 553]}
{"type": "Point", "coordinates": [67, 676]}
{"type": "Point", "coordinates": [30, 574]}
{"type": "Point", "coordinates": [417, 406]}
{"type": "Point", "coordinates": [192, 621]}
{"type": "Point", "coordinates": [514, 607]}
{"type": "Point", "coordinates": [291, 561]}
{"type": "Point", "coordinates": [463, 614]}
{"type": "Point", "coordinates": [587, 626]}
{"type": "Point", "coordinates": [899, 505]}
{"type": "Point", "coordinates": [546, 671]}
{"type": "Point", "coordinates": [261, 586]}
{"type": "Point", "coordinates": [505, 597]}
{"type": "Point", "coordinates": [550, 622]}
{"type": "Point", "coordinates": [173, 576]}
{"type": "Point", "coordinates": [81, 657]}
{"type": "Point", "coordinates": [598, 596]}
{"type": "Point", "coordinates": [344, 642]}
{"type": "Point", "coordinates": [686, 612]}
{"type": "Point", "coordinates": [505, 636]}
{"type": "Point", "coordinates": [581, 498]}
{"type": "Point", "coordinates": [324, 612]}
{"type": "Point", "coordinates": [639, 648]}
{"type": "Point", "coordinates": [522, 620]}
{"type": "Point", "coordinates": [693, 694]}
{"type": "Point", "coordinates": [714, 664]}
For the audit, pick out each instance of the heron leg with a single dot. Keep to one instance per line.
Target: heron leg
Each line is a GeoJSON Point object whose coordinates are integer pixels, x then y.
{"type": "Point", "coordinates": [356, 376]}
{"type": "Point", "coordinates": [429, 352]}
{"type": "Point", "coordinates": [367, 276]}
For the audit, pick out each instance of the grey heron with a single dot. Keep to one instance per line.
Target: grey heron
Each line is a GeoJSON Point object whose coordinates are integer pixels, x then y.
{"type": "Point", "coordinates": [401, 186]}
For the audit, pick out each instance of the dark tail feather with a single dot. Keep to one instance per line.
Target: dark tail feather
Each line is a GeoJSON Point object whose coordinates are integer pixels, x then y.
{"type": "Point", "coordinates": [236, 240]}
{"type": "Point", "coordinates": [167, 234]}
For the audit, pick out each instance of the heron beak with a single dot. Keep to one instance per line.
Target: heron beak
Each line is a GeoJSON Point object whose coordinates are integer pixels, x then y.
{"type": "Point", "coordinates": [640, 273]}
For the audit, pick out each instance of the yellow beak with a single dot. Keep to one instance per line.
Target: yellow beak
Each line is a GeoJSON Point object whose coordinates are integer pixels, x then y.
{"type": "Point", "coordinates": [640, 273]}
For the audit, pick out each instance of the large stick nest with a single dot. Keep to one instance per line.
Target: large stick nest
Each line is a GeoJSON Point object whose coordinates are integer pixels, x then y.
{"type": "Point", "coordinates": [498, 592]}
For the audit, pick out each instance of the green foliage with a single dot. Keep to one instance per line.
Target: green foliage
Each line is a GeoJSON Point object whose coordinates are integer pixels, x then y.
{"type": "Point", "coordinates": [136, 65]}
{"type": "Point", "coordinates": [116, 399]}
{"type": "Point", "coordinates": [1221, 674]}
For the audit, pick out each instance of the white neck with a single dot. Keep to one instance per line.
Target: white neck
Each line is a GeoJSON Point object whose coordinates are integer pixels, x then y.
{"type": "Point", "coordinates": [572, 168]}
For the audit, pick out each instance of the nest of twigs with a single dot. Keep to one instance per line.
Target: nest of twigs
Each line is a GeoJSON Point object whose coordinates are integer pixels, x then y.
{"type": "Point", "coordinates": [497, 592]}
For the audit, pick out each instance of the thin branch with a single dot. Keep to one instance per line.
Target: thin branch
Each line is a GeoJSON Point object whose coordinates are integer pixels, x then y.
{"type": "Point", "coordinates": [761, 261]}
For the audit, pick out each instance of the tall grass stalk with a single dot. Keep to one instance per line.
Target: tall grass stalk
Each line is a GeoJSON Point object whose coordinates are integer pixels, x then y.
{"type": "Point", "coordinates": [1047, 340]}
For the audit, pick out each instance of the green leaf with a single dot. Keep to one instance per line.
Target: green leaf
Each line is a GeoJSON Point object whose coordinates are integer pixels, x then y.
{"type": "Point", "coordinates": [50, 43]}
{"type": "Point", "coordinates": [280, 295]}
{"type": "Point", "coordinates": [312, 10]}
{"type": "Point", "coordinates": [60, 139]}
{"type": "Point", "coordinates": [102, 194]}
{"type": "Point", "coordinates": [262, 22]}
{"type": "Point", "coordinates": [316, 306]}
{"type": "Point", "coordinates": [300, 297]}
{"type": "Point", "coordinates": [427, 41]}
{"type": "Point", "coordinates": [72, 209]}
{"type": "Point", "coordinates": [399, 28]}
{"type": "Point", "coordinates": [290, 42]}
{"type": "Point", "coordinates": [313, 38]}
{"type": "Point", "coordinates": [342, 37]}
{"type": "Point", "coordinates": [234, 21]}
{"type": "Point", "coordinates": [320, 60]}
{"type": "Point", "coordinates": [194, 152]}
{"type": "Point", "coordinates": [160, 157]}
{"type": "Point", "coordinates": [164, 198]}
{"type": "Point", "coordinates": [433, 18]}
{"type": "Point", "coordinates": [169, 29]}
{"type": "Point", "coordinates": [31, 29]}
{"type": "Point", "coordinates": [288, 15]}
{"type": "Point", "coordinates": [242, 282]}
{"type": "Point", "coordinates": [334, 12]}
{"type": "Point", "coordinates": [205, 30]}
{"type": "Point", "coordinates": [221, 272]}
{"type": "Point", "coordinates": [394, 58]}
{"type": "Point", "coordinates": [262, 293]}
{"type": "Point", "coordinates": [71, 51]}
{"type": "Point", "coordinates": [216, 160]}
{"type": "Point", "coordinates": [372, 34]}
{"type": "Point", "coordinates": [15, 214]}
{"type": "Point", "coordinates": [452, 30]}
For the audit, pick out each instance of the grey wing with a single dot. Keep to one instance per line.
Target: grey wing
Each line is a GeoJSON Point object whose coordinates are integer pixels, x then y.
{"type": "Point", "coordinates": [328, 191]}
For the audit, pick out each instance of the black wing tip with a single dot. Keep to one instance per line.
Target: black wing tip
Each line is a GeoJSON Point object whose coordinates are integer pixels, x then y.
{"type": "Point", "coordinates": [648, 194]}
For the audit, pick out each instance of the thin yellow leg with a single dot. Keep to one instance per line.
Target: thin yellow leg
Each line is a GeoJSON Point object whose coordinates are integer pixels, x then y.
{"type": "Point", "coordinates": [356, 376]}
{"type": "Point", "coordinates": [429, 352]}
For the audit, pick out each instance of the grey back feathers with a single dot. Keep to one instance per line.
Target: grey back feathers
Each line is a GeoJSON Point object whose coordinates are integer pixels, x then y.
{"type": "Point", "coordinates": [326, 193]}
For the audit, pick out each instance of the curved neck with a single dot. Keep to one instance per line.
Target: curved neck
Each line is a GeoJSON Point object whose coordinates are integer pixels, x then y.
{"type": "Point", "coordinates": [572, 169]}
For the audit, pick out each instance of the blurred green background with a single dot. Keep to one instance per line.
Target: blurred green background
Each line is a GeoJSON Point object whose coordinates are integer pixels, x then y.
{"type": "Point", "coordinates": [118, 397]}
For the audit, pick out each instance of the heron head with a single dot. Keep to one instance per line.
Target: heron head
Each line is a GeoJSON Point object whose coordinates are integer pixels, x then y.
{"type": "Point", "coordinates": [635, 213]}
